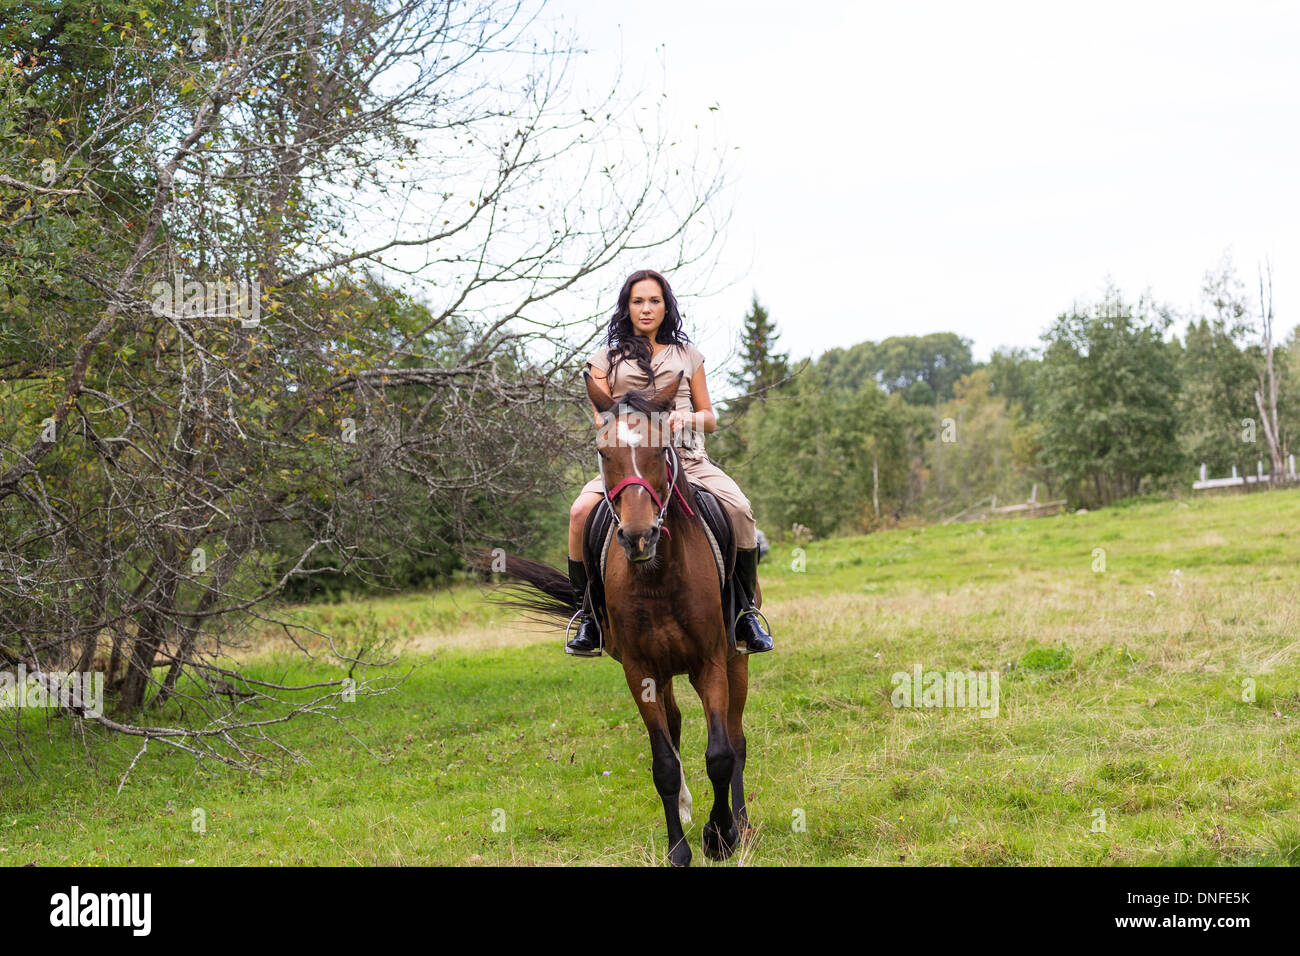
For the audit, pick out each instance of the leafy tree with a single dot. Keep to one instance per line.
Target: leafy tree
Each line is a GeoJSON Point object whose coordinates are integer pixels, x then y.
{"type": "Point", "coordinates": [922, 368]}
{"type": "Point", "coordinates": [1107, 399]}
{"type": "Point", "coordinates": [196, 353]}
{"type": "Point", "coordinates": [824, 452]}
{"type": "Point", "coordinates": [1221, 367]}
{"type": "Point", "coordinates": [1217, 416]}
{"type": "Point", "coordinates": [976, 451]}
{"type": "Point", "coordinates": [1288, 370]}
{"type": "Point", "coordinates": [1011, 374]}
{"type": "Point", "coordinates": [1218, 371]}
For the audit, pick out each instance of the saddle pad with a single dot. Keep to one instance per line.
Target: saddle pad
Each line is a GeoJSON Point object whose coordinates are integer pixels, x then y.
{"type": "Point", "coordinates": [604, 548]}
{"type": "Point", "coordinates": [717, 526]}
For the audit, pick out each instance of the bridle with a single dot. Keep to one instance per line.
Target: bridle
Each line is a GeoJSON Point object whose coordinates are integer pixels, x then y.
{"type": "Point", "coordinates": [674, 467]}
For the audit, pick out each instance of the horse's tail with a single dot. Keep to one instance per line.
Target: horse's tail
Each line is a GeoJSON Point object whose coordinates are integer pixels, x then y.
{"type": "Point", "coordinates": [544, 590]}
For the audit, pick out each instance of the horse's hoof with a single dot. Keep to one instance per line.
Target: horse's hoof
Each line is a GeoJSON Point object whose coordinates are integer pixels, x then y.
{"type": "Point", "coordinates": [717, 847]}
{"type": "Point", "coordinates": [680, 855]}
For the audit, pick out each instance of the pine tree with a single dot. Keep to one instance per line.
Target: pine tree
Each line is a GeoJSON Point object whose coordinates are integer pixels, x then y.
{"type": "Point", "coordinates": [762, 367]}
{"type": "Point", "coordinates": [760, 370]}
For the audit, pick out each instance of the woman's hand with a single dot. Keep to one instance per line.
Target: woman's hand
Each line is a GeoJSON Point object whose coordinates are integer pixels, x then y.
{"type": "Point", "coordinates": [678, 420]}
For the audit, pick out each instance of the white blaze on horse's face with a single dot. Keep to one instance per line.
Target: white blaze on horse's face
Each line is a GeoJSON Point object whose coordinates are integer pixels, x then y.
{"type": "Point", "coordinates": [630, 436]}
{"type": "Point", "coordinates": [627, 436]}
{"type": "Point", "coordinates": [631, 460]}
{"type": "Point", "coordinates": [622, 432]}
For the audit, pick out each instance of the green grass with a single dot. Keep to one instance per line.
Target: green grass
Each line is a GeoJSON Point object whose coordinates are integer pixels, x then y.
{"type": "Point", "coordinates": [1121, 694]}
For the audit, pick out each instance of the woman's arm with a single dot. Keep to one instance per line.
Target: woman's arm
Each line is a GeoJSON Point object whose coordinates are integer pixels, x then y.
{"type": "Point", "coordinates": [704, 419]}
{"type": "Point", "coordinates": [598, 376]}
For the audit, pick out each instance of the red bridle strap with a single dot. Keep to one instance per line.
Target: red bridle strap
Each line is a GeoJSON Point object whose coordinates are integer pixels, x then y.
{"type": "Point", "coordinates": [635, 480]}
{"type": "Point", "coordinates": [682, 499]}
{"type": "Point", "coordinates": [673, 486]}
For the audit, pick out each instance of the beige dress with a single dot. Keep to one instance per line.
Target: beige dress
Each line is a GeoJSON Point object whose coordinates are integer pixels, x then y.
{"type": "Point", "coordinates": [666, 363]}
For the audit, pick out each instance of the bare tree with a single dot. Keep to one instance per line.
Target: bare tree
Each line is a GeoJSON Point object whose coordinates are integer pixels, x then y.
{"type": "Point", "coordinates": [218, 386]}
{"type": "Point", "coordinates": [1268, 380]}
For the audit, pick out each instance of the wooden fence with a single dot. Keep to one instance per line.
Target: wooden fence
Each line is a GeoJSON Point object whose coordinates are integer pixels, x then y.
{"type": "Point", "coordinates": [988, 508]}
{"type": "Point", "coordinates": [1259, 478]}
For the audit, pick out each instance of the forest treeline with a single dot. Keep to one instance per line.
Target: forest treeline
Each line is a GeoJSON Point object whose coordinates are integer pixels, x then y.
{"type": "Point", "coordinates": [1111, 404]}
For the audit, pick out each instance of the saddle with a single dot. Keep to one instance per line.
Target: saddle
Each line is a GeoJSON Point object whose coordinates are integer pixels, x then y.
{"type": "Point", "coordinates": [598, 537]}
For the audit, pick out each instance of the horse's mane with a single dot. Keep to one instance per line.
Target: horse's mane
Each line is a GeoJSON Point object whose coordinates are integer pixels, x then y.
{"type": "Point", "coordinates": [641, 400]}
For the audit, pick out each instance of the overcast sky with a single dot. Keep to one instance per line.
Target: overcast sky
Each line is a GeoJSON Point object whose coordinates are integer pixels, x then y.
{"type": "Point", "coordinates": [905, 168]}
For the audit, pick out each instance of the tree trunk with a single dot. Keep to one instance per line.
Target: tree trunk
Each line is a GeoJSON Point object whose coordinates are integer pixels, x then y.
{"type": "Point", "coordinates": [875, 485]}
{"type": "Point", "coordinates": [1268, 381]}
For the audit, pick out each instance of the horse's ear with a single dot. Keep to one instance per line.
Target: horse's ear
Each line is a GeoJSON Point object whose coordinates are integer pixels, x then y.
{"type": "Point", "coordinates": [664, 396]}
{"type": "Point", "coordinates": [599, 397]}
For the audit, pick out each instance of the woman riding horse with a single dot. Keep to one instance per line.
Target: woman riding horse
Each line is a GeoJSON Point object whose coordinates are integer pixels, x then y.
{"type": "Point", "coordinates": [645, 343]}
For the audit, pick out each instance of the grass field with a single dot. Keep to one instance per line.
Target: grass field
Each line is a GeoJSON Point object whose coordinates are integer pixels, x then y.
{"type": "Point", "coordinates": [1124, 733]}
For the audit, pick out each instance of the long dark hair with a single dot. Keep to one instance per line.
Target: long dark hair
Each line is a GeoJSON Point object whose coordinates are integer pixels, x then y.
{"type": "Point", "coordinates": [624, 344]}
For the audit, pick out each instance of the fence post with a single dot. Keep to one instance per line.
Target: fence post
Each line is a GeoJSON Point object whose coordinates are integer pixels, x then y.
{"type": "Point", "coordinates": [1203, 472]}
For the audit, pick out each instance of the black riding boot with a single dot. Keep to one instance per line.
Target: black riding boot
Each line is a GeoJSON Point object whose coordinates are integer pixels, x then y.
{"type": "Point", "coordinates": [750, 636]}
{"type": "Point", "coordinates": [586, 643]}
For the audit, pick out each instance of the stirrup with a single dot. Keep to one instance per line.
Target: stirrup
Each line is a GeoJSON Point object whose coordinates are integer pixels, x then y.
{"type": "Point", "coordinates": [767, 627]}
{"type": "Point", "coordinates": [599, 647]}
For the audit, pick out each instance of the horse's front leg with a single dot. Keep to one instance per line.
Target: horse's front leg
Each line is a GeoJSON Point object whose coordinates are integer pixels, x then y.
{"type": "Point", "coordinates": [666, 765]}
{"type": "Point", "coordinates": [738, 691]}
{"type": "Point", "coordinates": [675, 734]}
{"type": "Point", "coordinates": [710, 682]}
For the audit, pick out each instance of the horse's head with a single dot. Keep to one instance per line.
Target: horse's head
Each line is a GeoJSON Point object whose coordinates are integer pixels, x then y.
{"type": "Point", "coordinates": [631, 445]}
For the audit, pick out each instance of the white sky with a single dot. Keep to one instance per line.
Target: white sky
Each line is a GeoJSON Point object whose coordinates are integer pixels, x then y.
{"type": "Point", "coordinates": [905, 168]}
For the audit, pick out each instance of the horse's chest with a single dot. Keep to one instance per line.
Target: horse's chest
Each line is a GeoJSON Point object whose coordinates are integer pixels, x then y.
{"type": "Point", "coordinates": [652, 624]}
{"type": "Point", "coordinates": [647, 617]}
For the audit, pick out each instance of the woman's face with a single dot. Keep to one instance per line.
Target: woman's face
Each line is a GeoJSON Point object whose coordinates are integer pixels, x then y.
{"type": "Point", "coordinates": [646, 306]}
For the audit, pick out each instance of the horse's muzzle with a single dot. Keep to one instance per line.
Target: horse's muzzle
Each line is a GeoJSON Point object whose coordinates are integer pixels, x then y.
{"type": "Point", "coordinates": [638, 545]}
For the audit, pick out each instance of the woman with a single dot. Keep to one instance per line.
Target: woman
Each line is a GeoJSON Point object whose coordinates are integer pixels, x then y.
{"type": "Point", "coordinates": [646, 344]}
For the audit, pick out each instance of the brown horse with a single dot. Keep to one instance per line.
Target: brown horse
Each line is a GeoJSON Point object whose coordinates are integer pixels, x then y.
{"type": "Point", "coordinates": [663, 612]}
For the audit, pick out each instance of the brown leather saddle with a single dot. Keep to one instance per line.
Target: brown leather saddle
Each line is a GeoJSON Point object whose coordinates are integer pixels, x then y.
{"type": "Point", "coordinates": [598, 538]}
